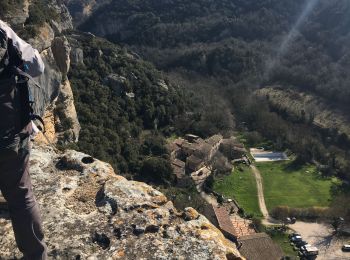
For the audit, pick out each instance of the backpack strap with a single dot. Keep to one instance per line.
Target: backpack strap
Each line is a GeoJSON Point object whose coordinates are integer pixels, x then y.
{"type": "Point", "coordinates": [17, 71]}
{"type": "Point", "coordinates": [23, 82]}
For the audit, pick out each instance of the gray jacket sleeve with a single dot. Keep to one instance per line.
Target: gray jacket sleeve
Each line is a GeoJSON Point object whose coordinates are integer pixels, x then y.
{"type": "Point", "coordinates": [31, 57]}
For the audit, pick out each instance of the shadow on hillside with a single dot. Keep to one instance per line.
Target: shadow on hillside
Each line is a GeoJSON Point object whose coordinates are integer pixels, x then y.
{"type": "Point", "coordinates": [293, 166]}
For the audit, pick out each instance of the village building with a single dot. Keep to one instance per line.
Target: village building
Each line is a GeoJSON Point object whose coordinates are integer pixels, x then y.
{"type": "Point", "coordinates": [191, 138]}
{"type": "Point", "coordinates": [198, 153]}
{"type": "Point", "coordinates": [224, 223]}
{"type": "Point", "coordinates": [201, 175]}
{"type": "Point", "coordinates": [179, 168]}
{"type": "Point", "coordinates": [232, 149]}
{"type": "Point", "coordinates": [204, 151]}
{"type": "Point", "coordinates": [174, 150]}
{"type": "Point", "coordinates": [188, 148]}
{"type": "Point", "coordinates": [214, 141]}
{"type": "Point", "coordinates": [259, 246]}
{"type": "Point", "coordinates": [193, 163]}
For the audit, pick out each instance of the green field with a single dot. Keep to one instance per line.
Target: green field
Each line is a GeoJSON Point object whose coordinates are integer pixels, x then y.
{"type": "Point", "coordinates": [297, 187]}
{"type": "Point", "coordinates": [240, 185]}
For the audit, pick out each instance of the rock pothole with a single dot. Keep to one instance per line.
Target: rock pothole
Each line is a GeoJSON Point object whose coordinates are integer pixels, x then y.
{"type": "Point", "coordinates": [82, 200]}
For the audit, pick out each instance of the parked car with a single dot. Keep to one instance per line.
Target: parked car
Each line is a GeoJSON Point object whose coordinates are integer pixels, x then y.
{"type": "Point", "coordinates": [293, 235]}
{"type": "Point", "coordinates": [346, 248]}
{"type": "Point", "coordinates": [310, 251]}
{"type": "Point", "coordinates": [301, 243]}
{"type": "Point", "coordinates": [304, 247]}
{"type": "Point", "coordinates": [296, 239]}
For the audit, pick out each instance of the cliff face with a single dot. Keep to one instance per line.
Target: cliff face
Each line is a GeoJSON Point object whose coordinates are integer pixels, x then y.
{"type": "Point", "coordinates": [82, 9]}
{"type": "Point", "coordinates": [90, 212]}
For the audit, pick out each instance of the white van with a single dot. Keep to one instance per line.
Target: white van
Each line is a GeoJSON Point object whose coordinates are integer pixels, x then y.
{"type": "Point", "coordinates": [346, 248]}
{"type": "Point", "coordinates": [311, 251]}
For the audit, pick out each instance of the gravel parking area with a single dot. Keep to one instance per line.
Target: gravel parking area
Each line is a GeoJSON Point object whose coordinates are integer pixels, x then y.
{"type": "Point", "coordinates": [320, 235]}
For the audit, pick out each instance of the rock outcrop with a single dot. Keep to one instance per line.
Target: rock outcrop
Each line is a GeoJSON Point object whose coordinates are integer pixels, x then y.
{"type": "Point", "coordinates": [89, 212]}
{"type": "Point", "coordinates": [82, 10]}
{"type": "Point", "coordinates": [66, 118]}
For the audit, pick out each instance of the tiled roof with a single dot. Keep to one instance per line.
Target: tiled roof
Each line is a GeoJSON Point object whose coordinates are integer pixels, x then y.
{"type": "Point", "coordinates": [179, 163]}
{"type": "Point", "coordinates": [179, 141]}
{"type": "Point", "coordinates": [193, 162]}
{"type": "Point", "coordinates": [224, 220]}
{"type": "Point", "coordinates": [203, 151]}
{"type": "Point", "coordinates": [214, 139]}
{"type": "Point", "coordinates": [172, 147]}
{"type": "Point", "coordinates": [259, 246]}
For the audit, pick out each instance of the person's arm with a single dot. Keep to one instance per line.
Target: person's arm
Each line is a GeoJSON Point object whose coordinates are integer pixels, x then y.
{"type": "Point", "coordinates": [30, 56]}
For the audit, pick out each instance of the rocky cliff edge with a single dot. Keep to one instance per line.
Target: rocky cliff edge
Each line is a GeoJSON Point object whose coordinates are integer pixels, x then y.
{"type": "Point", "coordinates": [89, 212]}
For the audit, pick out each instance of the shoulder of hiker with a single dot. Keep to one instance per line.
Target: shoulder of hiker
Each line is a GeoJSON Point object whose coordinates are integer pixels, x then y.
{"type": "Point", "coordinates": [30, 56]}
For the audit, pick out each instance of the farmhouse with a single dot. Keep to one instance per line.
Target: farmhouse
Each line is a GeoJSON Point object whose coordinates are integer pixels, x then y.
{"type": "Point", "coordinates": [179, 168]}
{"type": "Point", "coordinates": [232, 149]}
{"type": "Point", "coordinates": [193, 163]}
{"type": "Point", "coordinates": [224, 223]}
{"type": "Point", "coordinates": [259, 246]}
{"type": "Point", "coordinates": [197, 153]}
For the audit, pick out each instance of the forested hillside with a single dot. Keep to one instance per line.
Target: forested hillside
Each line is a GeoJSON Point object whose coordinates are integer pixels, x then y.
{"type": "Point", "coordinates": [242, 46]}
{"type": "Point", "coordinates": [237, 38]}
{"type": "Point", "coordinates": [124, 106]}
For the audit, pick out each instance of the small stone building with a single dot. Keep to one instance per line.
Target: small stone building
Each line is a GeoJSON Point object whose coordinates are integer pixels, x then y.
{"type": "Point", "coordinates": [193, 163]}
{"type": "Point", "coordinates": [224, 223]}
{"type": "Point", "coordinates": [259, 246]}
{"type": "Point", "coordinates": [179, 168]}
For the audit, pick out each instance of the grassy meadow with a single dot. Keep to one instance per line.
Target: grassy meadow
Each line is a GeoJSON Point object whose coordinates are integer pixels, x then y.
{"type": "Point", "coordinates": [295, 186]}
{"type": "Point", "coordinates": [241, 185]}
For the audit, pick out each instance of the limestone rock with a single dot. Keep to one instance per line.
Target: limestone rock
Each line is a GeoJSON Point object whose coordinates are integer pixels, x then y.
{"type": "Point", "coordinates": [77, 56]}
{"type": "Point", "coordinates": [64, 20]}
{"type": "Point", "coordinates": [18, 17]}
{"type": "Point", "coordinates": [50, 83]}
{"type": "Point", "coordinates": [50, 134]}
{"type": "Point", "coordinates": [82, 10]}
{"type": "Point", "coordinates": [44, 38]}
{"type": "Point", "coordinates": [117, 83]}
{"type": "Point", "coordinates": [61, 52]}
{"type": "Point", "coordinates": [66, 118]}
{"type": "Point", "coordinates": [89, 212]}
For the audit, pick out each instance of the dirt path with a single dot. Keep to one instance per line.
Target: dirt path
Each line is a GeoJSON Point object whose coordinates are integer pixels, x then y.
{"type": "Point", "coordinates": [260, 189]}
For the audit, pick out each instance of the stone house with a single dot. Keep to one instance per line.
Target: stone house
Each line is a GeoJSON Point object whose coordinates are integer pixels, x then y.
{"type": "Point", "coordinates": [174, 150]}
{"type": "Point", "coordinates": [224, 223]}
{"type": "Point", "coordinates": [201, 175]}
{"type": "Point", "coordinates": [204, 152]}
{"type": "Point", "coordinates": [214, 141]}
{"type": "Point", "coordinates": [259, 246]}
{"type": "Point", "coordinates": [179, 168]}
{"type": "Point", "coordinates": [193, 163]}
{"type": "Point", "coordinates": [191, 138]}
{"type": "Point", "coordinates": [232, 149]}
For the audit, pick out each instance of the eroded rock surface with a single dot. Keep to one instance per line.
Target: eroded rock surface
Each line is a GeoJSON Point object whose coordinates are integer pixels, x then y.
{"type": "Point", "coordinates": [91, 213]}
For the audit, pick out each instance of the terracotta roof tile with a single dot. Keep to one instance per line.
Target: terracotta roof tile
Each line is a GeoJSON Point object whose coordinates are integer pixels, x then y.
{"type": "Point", "coordinates": [259, 246]}
{"type": "Point", "coordinates": [224, 220]}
